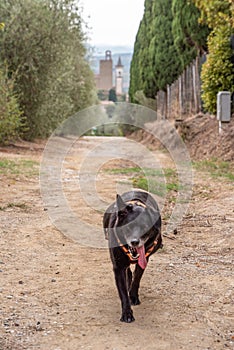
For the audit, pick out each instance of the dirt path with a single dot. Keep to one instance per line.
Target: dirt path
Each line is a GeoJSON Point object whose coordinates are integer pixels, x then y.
{"type": "Point", "coordinates": [57, 295]}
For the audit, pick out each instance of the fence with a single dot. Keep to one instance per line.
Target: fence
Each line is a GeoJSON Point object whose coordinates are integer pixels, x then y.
{"type": "Point", "coordinates": [183, 97]}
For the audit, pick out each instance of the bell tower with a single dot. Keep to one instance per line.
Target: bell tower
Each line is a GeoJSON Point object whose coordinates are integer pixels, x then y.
{"type": "Point", "coordinates": [105, 77]}
{"type": "Point", "coordinates": [119, 77]}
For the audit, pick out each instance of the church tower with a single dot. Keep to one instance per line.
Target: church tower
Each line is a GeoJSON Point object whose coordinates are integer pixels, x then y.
{"type": "Point", "coordinates": [105, 77]}
{"type": "Point", "coordinates": [119, 77]}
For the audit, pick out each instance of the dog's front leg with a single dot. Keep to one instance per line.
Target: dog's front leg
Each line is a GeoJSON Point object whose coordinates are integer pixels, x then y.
{"type": "Point", "coordinates": [134, 297]}
{"type": "Point", "coordinates": [121, 283]}
{"type": "Point", "coordinates": [129, 278]}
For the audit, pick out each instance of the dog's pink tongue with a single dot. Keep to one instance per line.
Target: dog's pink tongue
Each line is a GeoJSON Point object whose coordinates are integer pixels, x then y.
{"type": "Point", "coordinates": [142, 259]}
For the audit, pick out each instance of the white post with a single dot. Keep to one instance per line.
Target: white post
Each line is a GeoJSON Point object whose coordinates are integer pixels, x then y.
{"type": "Point", "coordinates": [220, 127]}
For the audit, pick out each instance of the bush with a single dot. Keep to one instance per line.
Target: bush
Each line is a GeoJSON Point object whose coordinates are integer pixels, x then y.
{"type": "Point", "coordinates": [217, 71]}
{"type": "Point", "coordinates": [11, 121]}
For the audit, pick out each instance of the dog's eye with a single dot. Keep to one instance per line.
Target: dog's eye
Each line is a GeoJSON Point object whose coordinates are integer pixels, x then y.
{"type": "Point", "coordinates": [129, 207]}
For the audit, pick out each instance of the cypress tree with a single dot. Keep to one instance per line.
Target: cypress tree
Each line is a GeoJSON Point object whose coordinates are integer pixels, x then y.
{"type": "Point", "coordinates": [190, 37]}
{"type": "Point", "coordinates": [140, 56]}
{"type": "Point", "coordinates": [155, 61]}
{"type": "Point", "coordinates": [162, 49]}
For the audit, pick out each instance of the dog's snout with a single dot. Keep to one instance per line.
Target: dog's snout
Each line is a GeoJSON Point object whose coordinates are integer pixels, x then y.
{"type": "Point", "coordinates": [135, 242]}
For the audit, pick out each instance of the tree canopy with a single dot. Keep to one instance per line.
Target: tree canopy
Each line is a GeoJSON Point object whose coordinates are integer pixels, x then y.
{"type": "Point", "coordinates": [218, 71]}
{"type": "Point", "coordinates": [169, 38]}
{"type": "Point", "coordinates": [190, 36]}
{"type": "Point", "coordinates": [112, 95]}
{"type": "Point", "coordinates": [43, 46]}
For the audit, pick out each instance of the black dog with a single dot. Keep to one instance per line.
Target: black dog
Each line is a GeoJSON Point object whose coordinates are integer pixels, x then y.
{"type": "Point", "coordinates": [132, 226]}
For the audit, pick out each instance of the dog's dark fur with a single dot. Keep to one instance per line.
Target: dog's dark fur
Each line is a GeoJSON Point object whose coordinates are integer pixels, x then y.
{"type": "Point", "coordinates": [133, 220]}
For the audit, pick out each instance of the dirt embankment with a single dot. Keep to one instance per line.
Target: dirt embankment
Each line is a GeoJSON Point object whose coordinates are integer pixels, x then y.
{"type": "Point", "coordinates": [201, 136]}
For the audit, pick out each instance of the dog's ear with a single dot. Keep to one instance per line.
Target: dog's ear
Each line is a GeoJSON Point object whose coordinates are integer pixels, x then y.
{"type": "Point", "coordinates": [120, 203]}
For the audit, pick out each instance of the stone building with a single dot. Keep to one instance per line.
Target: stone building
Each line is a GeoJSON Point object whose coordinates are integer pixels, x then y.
{"type": "Point", "coordinates": [104, 80]}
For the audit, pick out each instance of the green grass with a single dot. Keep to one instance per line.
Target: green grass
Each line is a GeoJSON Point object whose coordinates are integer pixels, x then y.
{"type": "Point", "coordinates": [154, 186]}
{"type": "Point", "coordinates": [216, 168]}
{"type": "Point", "coordinates": [124, 170]}
{"type": "Point", "coordinates": [157, 181]}
{"type": "Point", "coordinates": [167, 172]}
{"type": "Point", "coordinates": [23, 167]}
{"type": "Point", "coordinates": [149, 184]}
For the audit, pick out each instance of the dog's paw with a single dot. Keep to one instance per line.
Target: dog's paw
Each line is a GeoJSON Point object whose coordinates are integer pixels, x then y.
{"type": "Point", "coordinates": [135, 300]}
{"type": "Point", "coordinates": [127, 317]}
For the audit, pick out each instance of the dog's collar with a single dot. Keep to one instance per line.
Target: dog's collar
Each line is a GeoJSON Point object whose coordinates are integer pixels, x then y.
{"type": "Point", "coordinates": [133, 259]}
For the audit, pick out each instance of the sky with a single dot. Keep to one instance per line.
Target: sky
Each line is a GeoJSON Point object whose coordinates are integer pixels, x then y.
{"type": "Point", "coordinates": [113, 22]}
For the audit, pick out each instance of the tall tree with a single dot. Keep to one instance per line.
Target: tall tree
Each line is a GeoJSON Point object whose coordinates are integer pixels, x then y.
{"type": "Point", "coordinates": [140, 55]}
{"type": "Point", "coordinates": [43, 45]}
{"type": "Point", "coordinates": [155, 61]}
{"type": "Point", "coordinates": [162, 48]}
{"type": "Point", "coordinates": [190, 36]}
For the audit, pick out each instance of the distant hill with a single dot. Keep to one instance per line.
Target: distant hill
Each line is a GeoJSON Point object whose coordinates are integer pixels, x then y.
{"type": "Point", "coordinates": [100, 50]}
{"type": "Point", "coordinates": [98, 53]}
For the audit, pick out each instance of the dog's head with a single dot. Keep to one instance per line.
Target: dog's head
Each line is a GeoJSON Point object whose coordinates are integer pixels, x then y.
{"type": "Point", "coordinates": [136, 222]}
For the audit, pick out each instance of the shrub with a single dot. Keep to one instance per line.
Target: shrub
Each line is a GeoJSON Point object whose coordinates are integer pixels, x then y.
{"type": "Point", "coordinates": [11, 121]}
{"type": "Point", "coordinates": [217, 71]}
